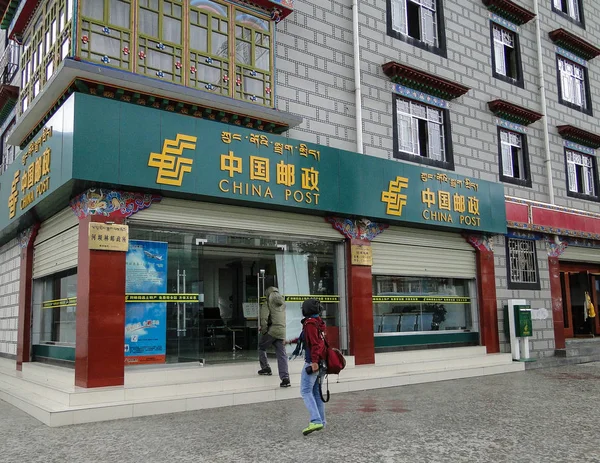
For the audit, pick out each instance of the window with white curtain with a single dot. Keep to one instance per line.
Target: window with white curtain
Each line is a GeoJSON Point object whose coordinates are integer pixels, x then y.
{"type": "Point", "coordinates": [505, 49]}
{"type": "Point", "coordinates": [513, 158]}
{"type": "Point", "coordinates": [581, 173]}
{"type": "Point", "coordinates": [420, 129]}
{"type": "Point", "coordinates": [417, 19]}
{"type": "Point", "coordinates": [572, 82]}
{"type": "Point", "coordinates": [571, 8]}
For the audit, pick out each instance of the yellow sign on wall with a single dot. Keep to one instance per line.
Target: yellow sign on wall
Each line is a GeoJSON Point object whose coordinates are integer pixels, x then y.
{"type": "Point", "coordinates": [35, 179]}
{"type": "Point", "coordinates": [362, 255]}
{"type": "Point", "coordinates": [170, 163]}
{"type": "Point", "coordinates": [108, 237]}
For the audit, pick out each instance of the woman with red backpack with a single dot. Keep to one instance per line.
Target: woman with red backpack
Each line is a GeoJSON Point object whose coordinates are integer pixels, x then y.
{"type": "Point", "coordinates": [313, 329]}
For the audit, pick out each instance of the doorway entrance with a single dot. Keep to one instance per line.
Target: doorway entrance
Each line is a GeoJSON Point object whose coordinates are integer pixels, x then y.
{"type": "Point", "coordinates": [214, 284]}
{"type": "Point", "coordinates": [577, 279]}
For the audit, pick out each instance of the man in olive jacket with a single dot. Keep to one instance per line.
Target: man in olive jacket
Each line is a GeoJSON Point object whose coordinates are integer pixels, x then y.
{"type": "Point", "coordinates": [272, 330]}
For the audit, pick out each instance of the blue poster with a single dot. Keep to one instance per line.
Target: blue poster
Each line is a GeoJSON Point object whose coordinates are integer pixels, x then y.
{"type": "Point", "coordinates": [146, 322]}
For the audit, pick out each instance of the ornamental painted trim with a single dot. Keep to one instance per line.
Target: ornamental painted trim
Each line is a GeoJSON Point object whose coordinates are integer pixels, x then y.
{"type": "Point", "coordinates": [480, 242]}
{"type": "Point", "coordinates": [555, 249]}
{"type": "Point", "coordinates": [573, 57]}
{"type": "Point", "coordinates": [420, 96]}
{"type": "Point", "coordinates": [573, 43]}
{"type": "Point", "coordinates": [577, 147]}
{"type": "Point", "coordinates": [361, 229]}
{"type": "Point", "coordinates": [504, 23]}
{"type": "Point", "coordinates": [277, 9]}
{"type": "Point", "coordinates": [416, 78]}
{"type": "Point", "coordinates": [523, 235]}
{"type": "Point", "coordinates": [24, 237]}
{"type": "Point", "coordinates": [580, 136]}
{"type": "Point", "coordinates": [513, 113]}
{"type": "Point", "coordinates": [552, 231]}
{"type": "Point", "coordinates": [100, 201]}
{"type": "Point", "coordinates": [552, 207]}
{"type": "Point", "coordinates": [580, 243]}
{"type": "Point", "coordinates": [509, 11]}
{"type": "Point", "coordinates": [511, 126]}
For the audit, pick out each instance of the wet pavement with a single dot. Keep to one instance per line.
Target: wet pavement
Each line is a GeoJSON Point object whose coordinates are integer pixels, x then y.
{"type": "Point", "coordinates": [547, 415]}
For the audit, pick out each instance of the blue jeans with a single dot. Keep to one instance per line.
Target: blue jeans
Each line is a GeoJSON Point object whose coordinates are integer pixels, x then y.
{"type": "Point", "coordinates": [309, 389]}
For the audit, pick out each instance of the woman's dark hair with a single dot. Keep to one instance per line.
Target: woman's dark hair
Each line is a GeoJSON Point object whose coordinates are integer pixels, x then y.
{"type": "Point", "coordinates": [311, 307]}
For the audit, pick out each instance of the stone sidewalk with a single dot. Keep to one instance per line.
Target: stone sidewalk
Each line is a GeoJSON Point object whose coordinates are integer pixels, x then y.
{"type": "Point", "coordinates": [547, 415]}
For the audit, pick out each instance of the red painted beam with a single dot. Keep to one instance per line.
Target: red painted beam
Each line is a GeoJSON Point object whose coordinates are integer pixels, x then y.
{"type": "Point", "coordinates": [546, 218]}
{"type": "Point", "coordinates": [517, 212]}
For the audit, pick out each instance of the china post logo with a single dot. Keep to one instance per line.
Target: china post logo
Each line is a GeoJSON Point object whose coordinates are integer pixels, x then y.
{"type": "Point", "coordinates": [393, 197]}
{"type": "Point", "coordinates": [170, 163]}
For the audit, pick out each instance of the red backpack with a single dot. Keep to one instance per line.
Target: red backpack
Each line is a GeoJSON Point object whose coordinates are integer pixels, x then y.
{"type": "Point", "coordinates": [335, 361]}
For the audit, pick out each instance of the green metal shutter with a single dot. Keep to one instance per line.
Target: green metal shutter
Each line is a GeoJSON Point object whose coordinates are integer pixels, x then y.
{"type": "Point", "coordinates": [581, 254]}
{"type": "Point", "coordinates": [56, 244]}
{"type": "Point", "coordinates": [178, 213]}
{"type": "Point", "coordinates": [414, 252]}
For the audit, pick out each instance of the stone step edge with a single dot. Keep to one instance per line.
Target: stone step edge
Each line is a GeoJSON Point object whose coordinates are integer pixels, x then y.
{"type": "Point", "coordinates": [37, 380]}
{"type": "Point", "coordinates": [553, 362]}
{"type": "Point", "coordinates": [512, 367]}
{"type": "Point", "coordinates": [387, 359]}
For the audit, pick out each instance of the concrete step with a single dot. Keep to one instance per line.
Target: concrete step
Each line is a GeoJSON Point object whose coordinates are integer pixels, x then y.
{"type": "Point", "coordinates": [201, 380]}
{"type": "Point", "coordinates": [551, 362]}
{"type": "Point", "coordinates": [55, 414]}
{"type": "Point", "coordinates": [579, 351]}
{"type": "Point", "coordinates": [580, 347]}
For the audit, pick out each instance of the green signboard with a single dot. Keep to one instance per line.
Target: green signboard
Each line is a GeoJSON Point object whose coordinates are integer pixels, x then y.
{"type": "Point", "coordinates": [40, 169]}
{"type": "Point", "coordinates": [133, 146]}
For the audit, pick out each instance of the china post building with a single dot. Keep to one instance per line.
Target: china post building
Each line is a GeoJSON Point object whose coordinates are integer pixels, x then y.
{"type": "Point", "coordinates": [147, 228]}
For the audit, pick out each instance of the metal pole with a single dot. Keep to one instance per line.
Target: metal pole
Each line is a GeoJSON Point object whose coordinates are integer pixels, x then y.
{"type": "Point", "coordinates": [261, 277]}
{"type": "Point", "coordinates": [184, 308]}
{"type": "Point", "coordinates": [540, 56]}
{"type": "Point", "coordinates": [178, 308]}
{"type": "Point", "coordinates": [357, 83]}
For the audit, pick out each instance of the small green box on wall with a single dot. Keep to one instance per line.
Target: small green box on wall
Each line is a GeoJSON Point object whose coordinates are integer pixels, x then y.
{"type": "Point", "coordinates": [523, 327]}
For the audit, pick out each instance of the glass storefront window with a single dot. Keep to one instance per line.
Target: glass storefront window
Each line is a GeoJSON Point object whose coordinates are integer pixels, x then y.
{"type": "Point", "coordinates": [54, 304]}
{"type": "Point", "coordinates": [225, 272]}
{"type": "Point", "coordinates": [422, 304]}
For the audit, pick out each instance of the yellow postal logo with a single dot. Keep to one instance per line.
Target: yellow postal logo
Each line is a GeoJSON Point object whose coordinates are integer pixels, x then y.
{"type": "Point", "coordinates": [170, 164]}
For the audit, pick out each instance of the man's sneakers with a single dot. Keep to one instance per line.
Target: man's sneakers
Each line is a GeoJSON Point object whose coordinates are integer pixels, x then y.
{"type": "Point", "coordinates": [285, 382]}
{"type": "Point", "coordinates": [265, 371]}
{"type": "Point", "coordinates": [312, 427]}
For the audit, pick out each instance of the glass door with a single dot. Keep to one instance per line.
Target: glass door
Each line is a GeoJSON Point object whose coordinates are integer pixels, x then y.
{"type": "Point", "coordinates": [164, 286]}
{"type": "Point", "coordinates": [185, 309]}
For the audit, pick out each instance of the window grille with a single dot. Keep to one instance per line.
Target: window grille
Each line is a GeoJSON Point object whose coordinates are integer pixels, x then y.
{"type": "Point", "coordinates": [522, 261]}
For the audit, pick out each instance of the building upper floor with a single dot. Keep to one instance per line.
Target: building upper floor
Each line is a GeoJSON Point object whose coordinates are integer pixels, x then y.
{"type": "Point", "coordinates": [446, 83]}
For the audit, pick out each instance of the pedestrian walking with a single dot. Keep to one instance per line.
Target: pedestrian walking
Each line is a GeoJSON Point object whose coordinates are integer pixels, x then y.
{"type": "Point", "coordinates": [272, 330]}
{"type": "Point", "coordinates": [311, 339]}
